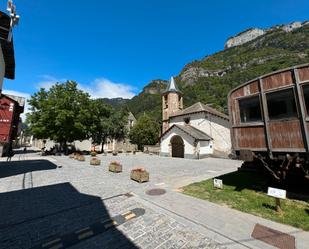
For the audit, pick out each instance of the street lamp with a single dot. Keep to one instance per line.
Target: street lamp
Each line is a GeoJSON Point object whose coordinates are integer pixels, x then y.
{"type": "Point", "coordinates": [11, 8]}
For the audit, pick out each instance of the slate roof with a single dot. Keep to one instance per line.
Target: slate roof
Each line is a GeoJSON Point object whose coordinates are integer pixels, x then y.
{"type": "Point", "coordinates": [200, 107]}
{"type": "Point", "coordinates": [191, 131]}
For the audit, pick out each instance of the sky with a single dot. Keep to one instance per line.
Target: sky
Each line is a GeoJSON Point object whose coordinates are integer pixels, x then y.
{"type": "Point", "coordinates": [114, 48]}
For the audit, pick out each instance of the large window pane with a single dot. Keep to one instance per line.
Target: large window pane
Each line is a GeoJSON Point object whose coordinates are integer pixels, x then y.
{"type": "Point", "coordinates": [250, 110]}
{"type": "Point", "coordinates": [281, 104]}
{"type": "Point", "coordinates": [306, 97]}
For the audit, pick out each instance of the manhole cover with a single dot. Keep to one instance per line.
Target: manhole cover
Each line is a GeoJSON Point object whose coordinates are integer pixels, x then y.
{"type": "Point", "coordinates": [156, 191]}
{"type": "Point", "coordinates": [273, 237]}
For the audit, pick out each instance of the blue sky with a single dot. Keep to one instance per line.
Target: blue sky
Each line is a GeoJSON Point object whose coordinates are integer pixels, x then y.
{"type": "Point", "coordinates": [114, 48]}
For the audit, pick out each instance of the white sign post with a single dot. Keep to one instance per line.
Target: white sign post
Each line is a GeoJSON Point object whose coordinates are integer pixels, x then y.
{"type": "Point", "coordinates": [277, 194]}
{"type": "Point", "coordinates": [218, 183]}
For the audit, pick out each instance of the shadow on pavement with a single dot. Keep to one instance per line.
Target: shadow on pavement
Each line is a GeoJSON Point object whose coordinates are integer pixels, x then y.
{"type": "Point", "coordinates": [21, 167]}
{"type": "Point", "coordinates": [20, 152]}
{"type": "Point", "coordinates": [53, 215]}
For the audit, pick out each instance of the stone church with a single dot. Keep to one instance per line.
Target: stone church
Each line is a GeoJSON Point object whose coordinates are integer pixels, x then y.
{"type": "Point", "coordinates": [195, 132]}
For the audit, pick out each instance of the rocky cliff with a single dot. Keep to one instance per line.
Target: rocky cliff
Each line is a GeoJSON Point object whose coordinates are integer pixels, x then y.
{"type": "Point", "coordinates": [253, 33]}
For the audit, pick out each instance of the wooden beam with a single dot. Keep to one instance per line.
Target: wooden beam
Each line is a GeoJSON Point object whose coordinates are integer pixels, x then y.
{"type": "Point", "coordinates": [301, 107]}
{"type": "Point", "coordinates": [265, 118]}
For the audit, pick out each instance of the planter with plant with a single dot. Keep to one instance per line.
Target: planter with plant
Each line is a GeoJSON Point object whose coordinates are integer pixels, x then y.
{"type": "Point", "coordinates": [140, 175]}
{"type": "Point", "coordinates": [115, 167]}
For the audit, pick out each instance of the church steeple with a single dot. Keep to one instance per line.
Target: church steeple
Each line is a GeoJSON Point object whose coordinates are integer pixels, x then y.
{"type": "Point", "coordinates": [171, 103]}
{"type": "Point", "coordinates": [172, 86]}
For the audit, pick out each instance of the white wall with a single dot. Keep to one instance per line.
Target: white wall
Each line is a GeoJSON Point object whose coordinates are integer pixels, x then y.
{"type": "Point", "coordinates": [202, 148]}
{"type": "Point", "coordinates": [166, 140]}
{"type": "Point", "coordinates": [2, 69]}
{"type": "Point", "coordinates": [206, 147]}
{"type": "Point", "coordinates": [82, 145]}
{"type": "Point", "coordinates": [216, 127]}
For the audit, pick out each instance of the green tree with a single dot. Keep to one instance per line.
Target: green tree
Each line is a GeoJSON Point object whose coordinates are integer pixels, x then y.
{"type": "Point", "coordinates": [101, 120]}
{"type": "Point", "coordinates": [117, 125]}
{"type": "Point", "coordinates": [63, 113]}
{"type": "Point", "coordinates": [145, 132]}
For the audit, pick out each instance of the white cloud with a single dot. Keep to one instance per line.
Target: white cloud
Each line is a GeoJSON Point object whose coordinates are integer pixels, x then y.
{"type": "Point", "coordinates": [104, 88]}
{"type": "Point", "coordinates": [99, 88]}
{"type": "Point", "coordinates": [20, 94]}
{"type": "Point", "coordinates": [47, 81]}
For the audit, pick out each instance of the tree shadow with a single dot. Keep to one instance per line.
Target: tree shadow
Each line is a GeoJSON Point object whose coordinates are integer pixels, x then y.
{"type": "Point", "coordinates": [260, 181]}
{"type": "Point", "coordinates": [245, 180]}
{"type": "Point", "coordinates": [31, 151]}
{"type": "Point", "coordinates": [21, 167]}
{"type": "Point", "coordinates": [53, 215]}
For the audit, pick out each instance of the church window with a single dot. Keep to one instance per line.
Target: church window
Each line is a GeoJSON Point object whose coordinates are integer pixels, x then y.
{"type": "Point", "coordinates": [187, 120]}
{"type": "Point", "coordinates": [165, 101]}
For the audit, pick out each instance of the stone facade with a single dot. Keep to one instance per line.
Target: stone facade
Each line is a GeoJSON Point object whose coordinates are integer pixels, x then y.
{"type": "Point", "coordinates": [172, 102]}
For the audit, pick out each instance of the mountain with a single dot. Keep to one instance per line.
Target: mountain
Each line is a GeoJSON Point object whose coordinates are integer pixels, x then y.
{"type": "Point", "coordinates": [116, 102]}
{"type": "Point", "coordinates": [246, 56]}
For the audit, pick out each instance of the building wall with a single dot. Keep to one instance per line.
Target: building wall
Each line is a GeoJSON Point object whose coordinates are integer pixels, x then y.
{"type": "Point", "coordinates": [202, 148]}
{"type": "Point", "coordinates": [216, 127]}
{"type": "Point", "coordinates": [2, 69]}
{"type": "Point", "coordinates": [82, 145]}
{"type": "Point", "coordinates": [123, 145]}
{"type": "Point", "coordinates": [206, 148]}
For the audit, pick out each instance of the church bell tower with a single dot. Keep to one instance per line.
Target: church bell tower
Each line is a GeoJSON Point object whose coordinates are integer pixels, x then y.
{"type": "Point", "coordinates": [171, 103]}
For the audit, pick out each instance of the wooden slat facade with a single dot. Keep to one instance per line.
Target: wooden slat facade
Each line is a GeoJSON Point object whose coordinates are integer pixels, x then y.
{"type": "Point", "coordinates": [284, 135]}
{"type": "Point", "coordinates": [303, 74]}
{"type": "Point", "coordinates": [250, 137]}
{"type": "Point", "coordinates": [278, 80]}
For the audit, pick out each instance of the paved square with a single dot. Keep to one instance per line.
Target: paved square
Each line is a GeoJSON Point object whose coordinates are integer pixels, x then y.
{"type": "Point", "coordinates": [58, 202]}
{"type": "Point", "coordinates": [45, 198]}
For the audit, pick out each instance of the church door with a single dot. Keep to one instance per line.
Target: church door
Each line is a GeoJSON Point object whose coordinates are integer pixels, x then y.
{"type": "Point", "coordinates": [178, 148]}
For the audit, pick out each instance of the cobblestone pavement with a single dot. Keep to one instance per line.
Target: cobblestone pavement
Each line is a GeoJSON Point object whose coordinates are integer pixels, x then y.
{"type": "Point", "coordinates": [47, 200]}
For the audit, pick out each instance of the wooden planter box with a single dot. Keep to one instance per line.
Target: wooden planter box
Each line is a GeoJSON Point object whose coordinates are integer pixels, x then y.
{"type": "Point", "coordinates": [81, 158]}
{"type": "Point", "coordinates": [140, 175]}
{"type": "Point", "coordinates": [116, 168]}
{"type": "Point", "coordinates": [93, 153]}
{"type": "Point", "coordinates": [95, 161]}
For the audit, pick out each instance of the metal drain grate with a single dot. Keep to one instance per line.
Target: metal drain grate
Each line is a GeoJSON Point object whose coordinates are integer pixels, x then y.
{"type": "Point", "coordinates": [273, 237]}
{"type": "Point", "coordinates": [156, 191]}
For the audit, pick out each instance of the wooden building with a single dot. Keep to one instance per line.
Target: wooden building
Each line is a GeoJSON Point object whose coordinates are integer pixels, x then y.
{"type": "Point", "coordinates": [270, 115]}
{"type": "Point", "coordinates": [10, 109]}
